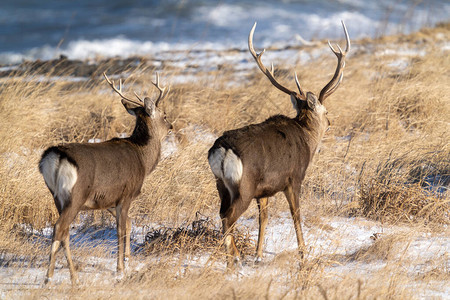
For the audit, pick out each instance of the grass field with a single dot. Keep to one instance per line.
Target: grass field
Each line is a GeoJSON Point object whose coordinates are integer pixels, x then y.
{"type": "Point", "coordinates": [375, 202]}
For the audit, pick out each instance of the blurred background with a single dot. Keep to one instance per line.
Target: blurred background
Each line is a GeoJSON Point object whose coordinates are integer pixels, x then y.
{"type": "Point", "coordinates": [85, 28]}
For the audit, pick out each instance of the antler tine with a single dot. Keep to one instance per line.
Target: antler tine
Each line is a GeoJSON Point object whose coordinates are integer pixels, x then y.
{"type": "Point", "coordinates": [269, 73]}
{"type": "Point", "coordinates": [338, 74]}
{"type": "Point", "coordinates": [347, 37]}
{"type": "Point", "coordinates": [298, 85]}
{"type": "Point", "coordinates": [119, 91]}
{"type": "Point", "coordinates": [162, 93]}
{"type": "Point", "coordinates": [137, 96]}
{"type": "Point", "coordinates": [347, 46]}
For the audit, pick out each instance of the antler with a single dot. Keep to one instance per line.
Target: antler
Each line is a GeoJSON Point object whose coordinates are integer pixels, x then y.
{"type": "Point", "coordinates": [162, 90]}
{"type": "Point", "coordinates": [119, 91]}
{"type": "Point", "coordinates": [339, 73]}
{"type": "Point", "coordinates": [269, 73]}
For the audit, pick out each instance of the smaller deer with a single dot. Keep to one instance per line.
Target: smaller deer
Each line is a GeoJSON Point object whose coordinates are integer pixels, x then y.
{"type": "Point", "coordinates": [107, 175]}
{"type": "Point", "coordinates": [260, 160]}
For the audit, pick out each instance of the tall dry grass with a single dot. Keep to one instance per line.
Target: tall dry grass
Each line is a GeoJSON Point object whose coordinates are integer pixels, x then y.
{"type": "Point", "coordinates": [385, 157]}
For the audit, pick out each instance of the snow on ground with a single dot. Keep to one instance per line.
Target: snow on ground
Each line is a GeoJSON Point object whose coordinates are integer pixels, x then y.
{"type": "Point", "coordinates": [169, 146]}
{"type": "Point", "coordinates": [198, 134]}
{"type": "Point", "coordinates": [331, 237]}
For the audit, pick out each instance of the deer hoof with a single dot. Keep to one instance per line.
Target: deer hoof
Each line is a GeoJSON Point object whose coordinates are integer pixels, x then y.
{"type": "Point", "coordinates": [119, 276]}
{"type": "Point", "coordinates": [75, 281]}
{"type": "Point", "coordinates": [234, 264]}
{"type": "Point", "coordinates": [47, 281]}
{"type": "Point", "coordinates": [237, 263]}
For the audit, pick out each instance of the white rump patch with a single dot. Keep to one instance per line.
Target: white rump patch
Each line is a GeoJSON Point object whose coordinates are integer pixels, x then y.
{"type": "Point", "coordinates": [59, 175]}
{"type": "Point", "coordinates": [232, 167]}
{"type": "Point", "coordinates": [226, 165]}
{"type": "Point", "coordinates": [65, 180]}
{"type": "Point", "coordinates": [215, 162]}
{"type": "Point", "coordinates": [48, 166]}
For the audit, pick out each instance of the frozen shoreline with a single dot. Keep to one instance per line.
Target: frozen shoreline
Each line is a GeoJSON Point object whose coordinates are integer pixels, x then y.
{"type": "Point", "coordinates": [188, 63]}
{"type": "Point", "coordinates": [43, 30]}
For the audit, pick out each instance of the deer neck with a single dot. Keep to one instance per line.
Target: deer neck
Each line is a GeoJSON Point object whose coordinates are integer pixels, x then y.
{"type": "Point", "coordinates": [311, 124]}
{"type": "Point", "coordinates": [146, 139]}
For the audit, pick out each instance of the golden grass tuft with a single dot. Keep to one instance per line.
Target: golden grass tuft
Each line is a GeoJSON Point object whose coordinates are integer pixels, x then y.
{"type": "Point", "coordinates": [198, 236]}
{"type": "Point", "coordinates": [408, 187]}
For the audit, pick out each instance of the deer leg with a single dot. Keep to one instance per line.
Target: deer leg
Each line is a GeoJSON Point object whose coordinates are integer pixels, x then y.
{"type": "Point", "coordinates": [128, 233]}
{"type": "Point", "coordinates": [230, 245]}
{"type": "Point", "coordinates": [61, 235]}
{"type": "Point", "coordinates": [120, 237]}
{"type": "Point", "coordinates": [73, 273]}
{"type": "Point", "coordinates": [294, 205]}
{"type": "Point", "coordinates": [127, 240]}
{"type": "Point", "coordinates": [123, 224]}
{"type": "Point", "coordinates": [227, 228]}
{"type": "Point", "coordinates": [233, 205]}
{"type": "Point", "coordinates": [51, 268]}
{"type": "Point", "coordinates": [263, 213]}
{"type": "Point", "coordinates": [229, 216]}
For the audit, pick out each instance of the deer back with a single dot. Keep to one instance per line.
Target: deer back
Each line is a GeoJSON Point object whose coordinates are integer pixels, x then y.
{"type": "Point", "coordinates": [106, 172]}
{"type": "Point", "coordinates": [102, 174]}
{"type": "Point", "coordinates": [273, 153]}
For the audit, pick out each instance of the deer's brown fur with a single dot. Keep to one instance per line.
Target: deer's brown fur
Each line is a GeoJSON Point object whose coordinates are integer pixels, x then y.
{"type": "Point", "coordinates": [107, 175]}
{"type": "Point", "coordinates": [259, 160]}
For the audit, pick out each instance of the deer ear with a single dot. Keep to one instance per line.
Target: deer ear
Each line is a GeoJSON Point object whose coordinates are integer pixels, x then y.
{"type": "Point", "coordinates": [149, 106]}
{"type": "Point", "coordinates": [130, 107]}
{"type": "Point", "coordinates": [312, 100]}
{"type": "Point", "coordinates": [296, 103]}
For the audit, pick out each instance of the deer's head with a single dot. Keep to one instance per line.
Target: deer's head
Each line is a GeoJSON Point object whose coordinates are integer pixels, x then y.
{"type": "Point", "coordinates": [307, 103]}
{"type": "Point", "coordinates": [147, 109]}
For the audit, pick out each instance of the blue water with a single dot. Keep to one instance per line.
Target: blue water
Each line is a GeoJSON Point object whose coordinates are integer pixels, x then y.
{"type": "Point", "coordinates": [44, 29]}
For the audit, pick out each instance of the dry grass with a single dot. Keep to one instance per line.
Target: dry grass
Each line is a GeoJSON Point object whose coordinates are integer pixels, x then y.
{"type": "Point", "coordinates": [386, 157]}
{"type": "Point", "coordinates": [199, 235]}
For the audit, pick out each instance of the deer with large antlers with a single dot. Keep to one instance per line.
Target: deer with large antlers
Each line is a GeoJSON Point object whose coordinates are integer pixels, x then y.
{"type": "Point", "coordinates": [107, 175]}
{"type": "Point", "coordinates": [260, 160]}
